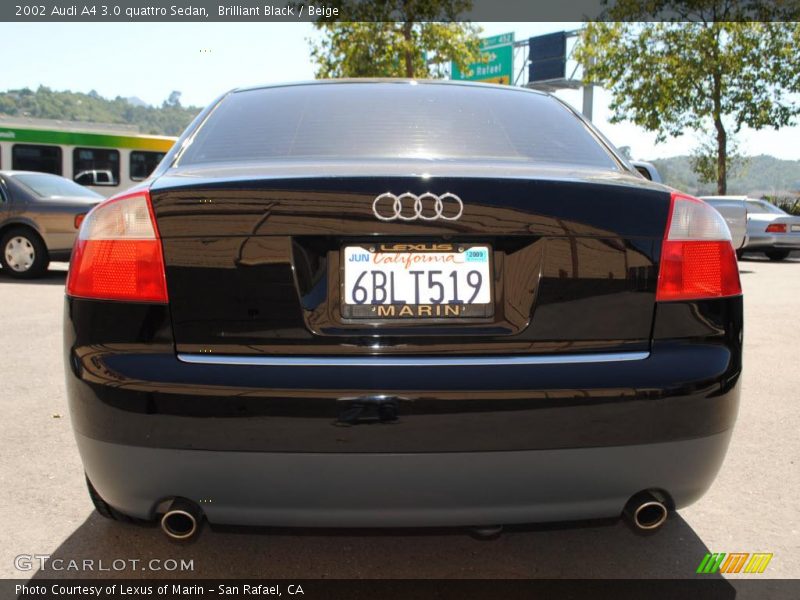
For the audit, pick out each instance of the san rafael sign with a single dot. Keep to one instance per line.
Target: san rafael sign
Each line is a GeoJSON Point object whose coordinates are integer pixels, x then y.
{"type": "Point", "coordinates": [497, 65]}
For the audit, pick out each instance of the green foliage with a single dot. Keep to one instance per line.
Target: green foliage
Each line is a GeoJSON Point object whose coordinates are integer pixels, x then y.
{"type": "Point", "coordinates": [709, 76]}
{"type": "Point", "coordinates": [789, 205]}
{"type": "Point", "coordinates": [169, 119]}
{"type": "Point", "coordinates": [395, 38]}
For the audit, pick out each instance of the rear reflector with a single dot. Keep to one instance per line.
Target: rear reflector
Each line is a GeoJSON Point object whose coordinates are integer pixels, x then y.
{"type": "Point", "coordinates": [78, 220]}
{"type": "Point", "coordinates": [697, 258]}
{"type": "Point", "coordinates": [776, 228]}
{"type": "Point", "coordinates": [117, 255]}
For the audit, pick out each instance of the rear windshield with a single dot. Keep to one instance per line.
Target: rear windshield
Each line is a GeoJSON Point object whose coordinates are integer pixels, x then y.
{"type": "Point", "coordinates": [51, 186]}
{"type": "Point", "coordinates": [391, 121]}
{"type": "Point", "coordinates": [763, 208]}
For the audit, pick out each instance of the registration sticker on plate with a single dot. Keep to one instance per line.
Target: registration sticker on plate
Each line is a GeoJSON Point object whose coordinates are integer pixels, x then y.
{"type": "Point", "coordinates": [416, 281]}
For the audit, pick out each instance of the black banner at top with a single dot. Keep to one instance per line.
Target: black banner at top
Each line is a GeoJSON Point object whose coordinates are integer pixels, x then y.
{"type": "Point", "coordinates": [395, 10]}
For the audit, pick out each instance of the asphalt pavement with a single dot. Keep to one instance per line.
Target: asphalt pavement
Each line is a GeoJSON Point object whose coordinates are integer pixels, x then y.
{"type": "Point", "coordinates": [752, 506]}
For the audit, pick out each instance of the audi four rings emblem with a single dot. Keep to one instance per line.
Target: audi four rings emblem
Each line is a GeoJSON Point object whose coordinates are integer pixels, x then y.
{"type": "Point", "coordinates": [409, 207]}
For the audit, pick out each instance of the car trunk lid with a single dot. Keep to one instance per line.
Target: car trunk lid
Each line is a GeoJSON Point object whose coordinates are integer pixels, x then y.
{"type": "Point", "coordinates": [254, 257]}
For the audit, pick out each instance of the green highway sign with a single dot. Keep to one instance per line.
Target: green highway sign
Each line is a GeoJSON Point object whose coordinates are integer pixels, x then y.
{"type": "Point", "coordinates": [498, 64]}
{"type": "Point", "coordinates": [503, 39]}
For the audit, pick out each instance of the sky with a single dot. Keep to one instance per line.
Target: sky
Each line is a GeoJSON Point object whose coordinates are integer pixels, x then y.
{"type": "Point", "coordinates": [203, 60]}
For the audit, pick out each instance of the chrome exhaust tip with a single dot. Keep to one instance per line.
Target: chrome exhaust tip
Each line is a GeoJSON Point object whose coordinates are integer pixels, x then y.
{"type": "Point", "coordinates": [650, 515]}
{"type": "Point", "coordinates": [486, 532]}
{"type": "Point", "coordinates": [182, 520]}
{"type": "Point", "coordinates": [647, 510]}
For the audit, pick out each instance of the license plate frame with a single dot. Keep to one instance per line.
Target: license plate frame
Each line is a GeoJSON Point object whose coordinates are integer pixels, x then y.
{"type": "Point", "coordinates": [443, 312]}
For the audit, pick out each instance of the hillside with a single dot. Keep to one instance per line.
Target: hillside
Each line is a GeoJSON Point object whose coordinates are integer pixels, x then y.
{"type": "Point", "coordinates": [762, 175]}
{"type": "Point", "coordinates": [168, 119]}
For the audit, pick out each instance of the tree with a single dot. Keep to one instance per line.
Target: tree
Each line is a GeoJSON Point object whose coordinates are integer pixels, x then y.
{"type": "Point", "coordinates": [704, 160]}
{"type": "Point", "coordinates": [395, 38]}
{"type": "Point", "coordinates": [174, 99]}
{"type": "Point", "coordinates": [700, 74]}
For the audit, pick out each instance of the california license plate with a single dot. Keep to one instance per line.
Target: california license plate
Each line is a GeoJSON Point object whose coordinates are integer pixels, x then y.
{"type": "Point", "coordinates": [417, 281]}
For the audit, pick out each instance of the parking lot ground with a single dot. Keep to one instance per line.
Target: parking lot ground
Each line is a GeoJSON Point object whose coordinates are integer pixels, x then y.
{"type": "Point", "coordinates": [752, 506]}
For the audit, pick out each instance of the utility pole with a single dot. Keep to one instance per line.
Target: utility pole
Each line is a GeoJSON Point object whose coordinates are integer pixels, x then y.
{"type": "Point", "coordinates": [588, 100]}
{"type": "Point", "coordinates": [588, 91]}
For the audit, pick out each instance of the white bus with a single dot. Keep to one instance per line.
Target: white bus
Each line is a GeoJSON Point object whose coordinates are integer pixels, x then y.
{"type": "Point", "coordinates": [105, 158]}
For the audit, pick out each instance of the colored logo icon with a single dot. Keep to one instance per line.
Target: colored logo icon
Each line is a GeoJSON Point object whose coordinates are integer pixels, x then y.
{"type": "Point", "coordinates": [734, 562]}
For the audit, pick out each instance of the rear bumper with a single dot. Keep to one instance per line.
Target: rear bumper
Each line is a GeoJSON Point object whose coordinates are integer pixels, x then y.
{"type": "Point", "coordinates": [154, 399]}
{"type": "Point", "coordinates": [386, 490]}
{"type": "Point", "coordinates": [468, 441]}
{"type": "Point", "coordinates": [782, 241]}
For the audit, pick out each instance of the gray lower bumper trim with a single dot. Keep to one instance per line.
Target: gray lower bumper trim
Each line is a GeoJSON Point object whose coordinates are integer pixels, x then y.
{"type": "Point", "coordinates": [409, 361]}
{"type": "Point", "coordinates": [374, 490]}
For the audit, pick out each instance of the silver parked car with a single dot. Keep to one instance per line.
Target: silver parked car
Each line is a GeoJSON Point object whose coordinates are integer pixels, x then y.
{"type": "Point", "coordinates": [771, 230]}
{"type": "Point", "coordinates": [734, 210]}
{"type": "Point", "coordinates": [39, 218]}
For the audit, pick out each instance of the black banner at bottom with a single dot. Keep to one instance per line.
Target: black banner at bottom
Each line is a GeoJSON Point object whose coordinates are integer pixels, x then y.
{"type": "Point", "coordinates": [379, 589]}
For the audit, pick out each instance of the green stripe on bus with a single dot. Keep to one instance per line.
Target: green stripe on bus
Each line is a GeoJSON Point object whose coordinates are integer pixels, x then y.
{"type": "Point", "coordinates": [74, 138]}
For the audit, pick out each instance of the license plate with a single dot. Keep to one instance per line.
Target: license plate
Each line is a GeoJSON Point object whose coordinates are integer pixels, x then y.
{"type": "Point", "coordinates": [795, 227]}
{"type": "Point", "coordinates": [417, 281]}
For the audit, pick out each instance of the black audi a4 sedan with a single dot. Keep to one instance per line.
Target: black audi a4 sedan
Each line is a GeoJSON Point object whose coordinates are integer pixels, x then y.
{"type": "Point", "coordinates": [400, 303]}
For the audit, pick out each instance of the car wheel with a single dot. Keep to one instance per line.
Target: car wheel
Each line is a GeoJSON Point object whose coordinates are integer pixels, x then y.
{"type": "Point", "coordinates": [24, 254]}
{"type": "Point", "coordinates": [777, 254]}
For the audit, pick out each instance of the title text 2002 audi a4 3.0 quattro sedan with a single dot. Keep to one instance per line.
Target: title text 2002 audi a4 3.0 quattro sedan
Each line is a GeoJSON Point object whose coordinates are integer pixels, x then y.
{"type": "Point", "coordinates": [399, 303]}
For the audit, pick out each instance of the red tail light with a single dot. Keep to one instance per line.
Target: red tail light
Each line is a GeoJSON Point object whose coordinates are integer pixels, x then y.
{"type": "Point", "coordinates": [776, 228]}
{"type": "Point", "coordinates": [117, 255]}
{"type": "Point", "coordinates": [697, 258]}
